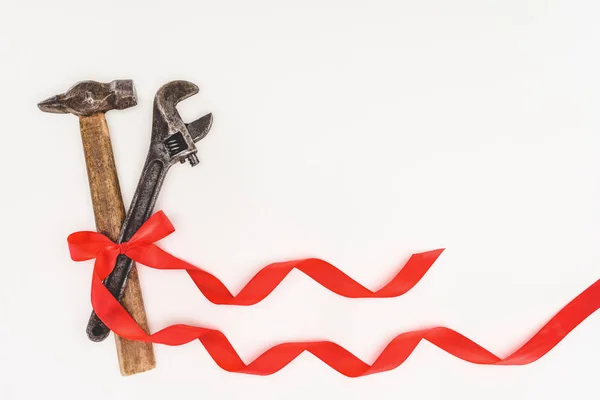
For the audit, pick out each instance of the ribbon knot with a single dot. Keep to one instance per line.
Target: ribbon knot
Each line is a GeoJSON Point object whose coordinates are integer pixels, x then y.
{"type": "Point", "coordinates": [123, 247]}
{"type": "Point", "coordinates": [87, 245]}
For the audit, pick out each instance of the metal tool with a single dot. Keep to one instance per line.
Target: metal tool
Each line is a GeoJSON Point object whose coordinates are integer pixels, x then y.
{"type": "Point", "coordinates": [89, 100]}
{"type": "Point", "coordinates": [90, 97]}
{"type": "Point", "coordinates": [172, 141]}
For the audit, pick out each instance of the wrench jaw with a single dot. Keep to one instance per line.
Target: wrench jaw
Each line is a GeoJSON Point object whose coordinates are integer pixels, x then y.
{"type": "Point", "coordinates": [168, 129]}
{"type": "Point", "coordinates": [200, 127]}
{"type": "Point", "coordinates": [194, 132]}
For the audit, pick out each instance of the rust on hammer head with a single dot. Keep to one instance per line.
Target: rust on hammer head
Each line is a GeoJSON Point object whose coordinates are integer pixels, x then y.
{"type": "Point", "coordinates": [90, 97]}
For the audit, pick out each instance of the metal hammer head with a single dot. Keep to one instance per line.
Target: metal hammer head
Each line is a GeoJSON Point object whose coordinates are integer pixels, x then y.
{"type": "Point", "coordinates": [170, 134]}
{"type": "Point", "coordinates": [91, 97]}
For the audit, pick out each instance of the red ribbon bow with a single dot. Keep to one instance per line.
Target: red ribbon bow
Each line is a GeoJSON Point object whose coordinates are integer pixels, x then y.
{"type": "Point", "coordinates": [141, 248]}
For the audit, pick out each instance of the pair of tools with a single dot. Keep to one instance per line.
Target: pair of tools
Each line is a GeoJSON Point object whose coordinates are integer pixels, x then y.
{"type": "Point", "coordinates": [172, 141]}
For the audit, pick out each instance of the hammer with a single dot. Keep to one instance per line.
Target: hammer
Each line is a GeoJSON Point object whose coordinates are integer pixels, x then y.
{"type": "Point", "coordinates": [90, 100]}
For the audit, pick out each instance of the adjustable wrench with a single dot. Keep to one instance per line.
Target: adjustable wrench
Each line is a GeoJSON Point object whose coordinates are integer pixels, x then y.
{"type": "Point", "coordinates": [172, 141]}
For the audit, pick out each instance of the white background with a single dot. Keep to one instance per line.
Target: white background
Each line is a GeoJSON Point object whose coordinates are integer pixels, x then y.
{"type": "Point", "coordinates": [357, 132]}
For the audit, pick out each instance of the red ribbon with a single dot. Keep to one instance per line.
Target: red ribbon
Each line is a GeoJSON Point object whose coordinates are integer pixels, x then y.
{"type": "Point", "coordinates": [141, 248]}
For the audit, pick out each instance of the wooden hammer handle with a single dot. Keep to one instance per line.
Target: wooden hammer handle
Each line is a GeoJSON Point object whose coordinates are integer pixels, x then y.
{"type": "Point", "coordinates": [109, 212]}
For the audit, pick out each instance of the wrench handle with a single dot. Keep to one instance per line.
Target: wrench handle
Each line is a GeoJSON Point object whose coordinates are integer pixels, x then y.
{"type": "Point", "coordinates": [109, 213]}
{"type": "Point", "coordinates": [142, 205]}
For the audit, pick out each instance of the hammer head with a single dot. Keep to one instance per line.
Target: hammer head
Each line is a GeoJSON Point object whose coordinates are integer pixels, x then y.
{"type": "Point", "coordinates": [91, 97]}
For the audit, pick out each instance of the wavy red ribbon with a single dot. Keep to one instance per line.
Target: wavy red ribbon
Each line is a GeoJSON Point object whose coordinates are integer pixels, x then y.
{"type": "Point", "coordinates": [141, 248]}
